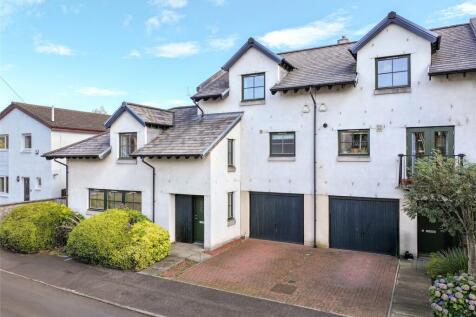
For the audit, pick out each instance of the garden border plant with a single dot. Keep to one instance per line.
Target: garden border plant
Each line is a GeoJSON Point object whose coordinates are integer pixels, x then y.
{"type": "Point", "coordinates": [119, 238]}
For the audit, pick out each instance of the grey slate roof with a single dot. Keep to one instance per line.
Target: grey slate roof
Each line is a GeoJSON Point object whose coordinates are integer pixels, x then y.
{"type": "Point", "coordinates": [192, 134]}
{"type": "Point", "coordinates": [457, 51]}
{"type": "Point", "coordinates": [335, 65]}
{"type": "Point", "coordinates": [322, 66]}
{"type": "Point", "coordinates": [146, 115]}
{"type": "Point", "coordinates": [94, 147]}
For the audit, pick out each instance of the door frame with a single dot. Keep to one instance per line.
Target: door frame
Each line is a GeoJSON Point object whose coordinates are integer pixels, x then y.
{"type": "Point", "coordinates": [368, 198]}
{"type": "Point", "coordinates": [429, 146]}
{"type": "Point", "coordinates": [191, 221]}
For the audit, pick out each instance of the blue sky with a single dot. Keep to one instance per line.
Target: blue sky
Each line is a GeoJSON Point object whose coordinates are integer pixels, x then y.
{"type": "Point", "coordinates": [86, 54]}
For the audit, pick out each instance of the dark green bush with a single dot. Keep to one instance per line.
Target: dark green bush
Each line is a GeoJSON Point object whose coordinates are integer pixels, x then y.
{"type": "Point", "coordinates": [33, 227]}
{"type": "Point", "coordinates": [452, 261]}
{"type": "Point", "coordinates": [118, 238]}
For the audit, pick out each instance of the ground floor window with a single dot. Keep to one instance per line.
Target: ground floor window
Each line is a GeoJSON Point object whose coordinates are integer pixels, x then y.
{"type": "Point", "coordinates": [231, 211]}
{"type": "Point", "coordinates": [101, 199]}
{"type": "Point", "coordinates": [3, 184]}
{"type": "Point", "coordinates": [354, 142]}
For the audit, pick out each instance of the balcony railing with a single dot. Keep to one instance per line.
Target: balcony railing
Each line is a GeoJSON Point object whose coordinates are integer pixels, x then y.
{"type": "Point", "coordinates": [406, 167]}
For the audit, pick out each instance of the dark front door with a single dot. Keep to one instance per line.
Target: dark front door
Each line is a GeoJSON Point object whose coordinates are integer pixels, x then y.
{"type": "Point", "coordinates": [278, 217]}
{"type": "Point", "coordinates": [364, 224]}
{"type": "Point", "coordinates": [189, 218]}
{"type": "Point", "coordinates": [26, 188]}
{"type": "Point", "coordinates": [431, 238]}
{"type": "Point", "coordinates": [198, 219]}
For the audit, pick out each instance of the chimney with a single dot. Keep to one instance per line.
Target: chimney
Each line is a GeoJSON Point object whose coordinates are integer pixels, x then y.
{"type": "Point", "coordinates": [53, 113]}
{"type": "Point", "coordinates": [343, 40]}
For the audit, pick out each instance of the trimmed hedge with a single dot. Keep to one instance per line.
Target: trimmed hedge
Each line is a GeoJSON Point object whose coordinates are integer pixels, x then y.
{"type": "Point", "coordinates": [118, 238]}
{"type": "Point", "coordinates": [34, 227]}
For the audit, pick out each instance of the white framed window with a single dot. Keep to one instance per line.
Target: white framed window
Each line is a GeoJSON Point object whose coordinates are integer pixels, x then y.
{"type": "Point", "coordinates": [3, 184]}
{"type": "Point", "coordinates": [3, 142]}
{"type": "Point", "coordinates": [38, 183]}
{"type": "Point", "coordinates": [26, 142]}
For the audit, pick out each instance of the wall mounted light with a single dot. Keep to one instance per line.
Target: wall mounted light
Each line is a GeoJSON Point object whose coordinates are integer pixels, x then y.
{"type": "Point", "coordinates": [18, 178]}
{"type": "Point", "coordinates": [306, 109]}
{"type": "Point", "coordinates": [322, 107]}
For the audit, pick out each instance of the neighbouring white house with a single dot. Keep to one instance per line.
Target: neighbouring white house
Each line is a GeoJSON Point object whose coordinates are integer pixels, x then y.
{"type": "Point", "coordinates": [313, 146]}
{"type": "Point", "coordinates": [28, 131]}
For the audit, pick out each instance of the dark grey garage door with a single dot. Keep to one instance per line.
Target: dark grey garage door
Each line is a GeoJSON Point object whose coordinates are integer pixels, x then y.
{"type": "Point", "coordinates": [278, 217]}
{"type": "Point", "coordinates": [364, 224]}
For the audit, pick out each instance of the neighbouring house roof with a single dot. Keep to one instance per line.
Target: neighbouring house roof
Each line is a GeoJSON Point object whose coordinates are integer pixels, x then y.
{"type": "Point", "coordinates": [94, 147]}
{"type": "Point", "coordinates": [454, 46]}
{"type": "Point", "coordinates": [64, 119]}
{"type": "Point", "coordinates": [457, 53]}
{"type": "Point", "coordinates": [146, 115]}
{"type": "Point", "coordinates": [394, 18]}
{"type": "Point", "coordinates": [192, 135]}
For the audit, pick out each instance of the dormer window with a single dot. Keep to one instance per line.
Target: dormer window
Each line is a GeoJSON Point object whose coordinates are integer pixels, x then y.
{"type": "Point", "coordinates": [127, 144]}
{"type": "Point", "coordinates": [392, 72]}
{"type": "Point", "coordinates": [253, 87]}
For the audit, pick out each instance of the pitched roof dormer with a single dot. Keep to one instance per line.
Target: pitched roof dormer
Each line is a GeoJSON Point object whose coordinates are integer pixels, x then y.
{"type": "Point", "coordinates": [252, 43]}
{"type": "Point", "coordinates": [393, 18]}
{"type": "Point", "coordinates": [145, 115]}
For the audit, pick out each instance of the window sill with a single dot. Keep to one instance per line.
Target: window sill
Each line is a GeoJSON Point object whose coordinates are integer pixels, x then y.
{"type": "Point", "coordinates": [231, 222]}
{"type": "Point", "coordinates": [231, 169]}
{"type": "Point", "coordinates": [92, 212]}
{"type": "Point", "coordinates": [253, 102]}
{"type": "Point", "coordinates": [351, 158]}
{"type": "Point", "coordinates": [397, 90]}
{"type": "Point", "coordinates": [25, 151]}
{"type": "Point", "coordinates": [3, 194]}
{"type": "Point", "coordinates": [37, 189]}
{"type": "Point", "coordinates": [282, 159]}
{"type": "Point", "coordinates": [127, 161]}
{"type": "Point", "coordinates": [3, 150]}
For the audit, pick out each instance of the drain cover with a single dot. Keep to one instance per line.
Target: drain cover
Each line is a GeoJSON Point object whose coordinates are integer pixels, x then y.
{"type": "Point", "coordinates": [283, 289]}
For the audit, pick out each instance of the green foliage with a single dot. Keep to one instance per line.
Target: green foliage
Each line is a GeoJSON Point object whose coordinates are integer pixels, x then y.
{"type": "Point", "coordinates": [33, 227]}
{"type": "Point", "coordinates": [453, 296]}
{"type": "Point", "coordinates": [452, 261]}
{"type": "Point", "coordinates": [118, 238]}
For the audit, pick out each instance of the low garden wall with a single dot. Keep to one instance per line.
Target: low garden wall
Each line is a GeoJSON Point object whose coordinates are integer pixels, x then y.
{"type": "Point", "coordinates": [5, 209]}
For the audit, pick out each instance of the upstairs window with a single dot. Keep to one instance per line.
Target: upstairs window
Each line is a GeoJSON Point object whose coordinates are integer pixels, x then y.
{"type": "Point", "coordinates": [392, 72]}
{"type": "Point", "coordinates": [27, 142]}
{"type": "Point", "coordinates": [4, 142]}
{"type": "Point", "coordinates": [253, 87]}
{"type": "Point", "coordinates": [282, 144]}
{"type": "Point", "coordinates": [354, 142]}
{"type": "Point", "coordinates": [127, 144]}
{"type": "Point", "coordinates": [231, 153]}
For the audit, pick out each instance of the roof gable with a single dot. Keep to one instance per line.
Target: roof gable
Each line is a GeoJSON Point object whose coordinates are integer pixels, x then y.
{"type": "Point", "coordinates": [252, 43]}
{"type": "Point", "coordinates": [64, 119]}
{"type": "Point", "coordinates": [394, 18]}
{"type": "Point", "coordinates": [145, 115]}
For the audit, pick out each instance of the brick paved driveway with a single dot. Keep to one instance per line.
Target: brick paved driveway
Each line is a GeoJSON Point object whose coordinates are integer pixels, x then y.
{"type": "Point", "coordinates": [344, 282]}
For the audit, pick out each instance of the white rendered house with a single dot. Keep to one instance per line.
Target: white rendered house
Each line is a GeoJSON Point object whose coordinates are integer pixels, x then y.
{"type": "Point", "coordinates": [28, 131]}
{"type": "Point", "coordinates": [322, 152]}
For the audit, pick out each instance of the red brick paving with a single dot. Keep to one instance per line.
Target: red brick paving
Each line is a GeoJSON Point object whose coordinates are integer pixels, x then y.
{"type": "Point", "coordinates": [344, 282]}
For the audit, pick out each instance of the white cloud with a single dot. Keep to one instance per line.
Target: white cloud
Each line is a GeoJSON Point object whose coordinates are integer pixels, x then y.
{"type": "Point", "coordinates": [165, 17]}
{"type": "Point", "coordinates": [127, 21]}
{"type": "Point", "coordinates": [71, 8]}
{"type": "Point", "coordinates": [100, 92]}
{"type": "Point", "coordinates": [134, 54]}
{"type": "Point", "coordinates": [174, 50]}
{"type": "Point", "coordinates": [169, 3]}
{"type": "Point", "coordinates": [467, 8]}
{"type": "Point", "coordinates": [8, 8]}
{"type": "Point", "coordinates": [306, 35]}
{"type": "Point", "coordinates": [363, 30]}
{"type": "Point", "coordinates": [45, 47]}
{"type": "Point", "coordinates": [223, 43]}
{"type": "Point", "coordinates": [218, 3]}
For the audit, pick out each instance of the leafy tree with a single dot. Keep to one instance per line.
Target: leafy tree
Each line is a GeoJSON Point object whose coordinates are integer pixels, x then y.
{"type": "Point", "coordinates": [100, 110]}
{"type": "Point", "coordinates": [444, 190]}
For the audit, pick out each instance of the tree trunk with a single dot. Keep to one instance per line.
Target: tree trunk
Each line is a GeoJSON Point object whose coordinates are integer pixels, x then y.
{"type": "Point", "coordinates": [471, 246]}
